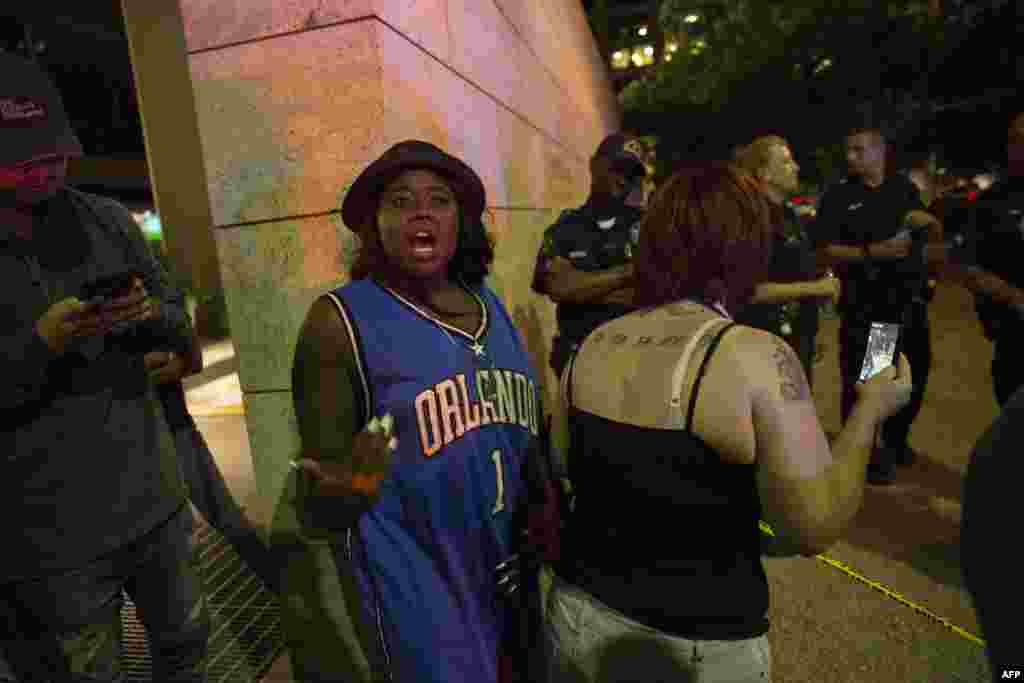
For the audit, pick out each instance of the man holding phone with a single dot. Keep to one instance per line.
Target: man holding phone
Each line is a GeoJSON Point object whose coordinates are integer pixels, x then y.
{"type": "Point", "coordinates": [91, 492]}
{"type": "Point", "coordinates": [869, 227]}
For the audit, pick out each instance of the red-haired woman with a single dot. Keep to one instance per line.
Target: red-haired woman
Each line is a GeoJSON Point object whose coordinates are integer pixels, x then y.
{"type": "Point", "coordinates": [682, 431]}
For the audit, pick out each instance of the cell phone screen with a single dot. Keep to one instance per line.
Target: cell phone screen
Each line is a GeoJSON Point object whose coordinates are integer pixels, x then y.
{"type": "Point", "coordinates": [109, 287]}
{"type": "Point", "coordinates": [881, 349]}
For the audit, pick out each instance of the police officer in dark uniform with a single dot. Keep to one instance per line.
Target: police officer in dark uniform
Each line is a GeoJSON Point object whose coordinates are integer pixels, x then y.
{"type": "Point", "coordinates": [787, 303]}
{"type": "Point", "coordinates": [585, 261]}
{"type": "Point", "coordinates": [987, 241]}
{"type": "Point", "coordinates": [873, 228]}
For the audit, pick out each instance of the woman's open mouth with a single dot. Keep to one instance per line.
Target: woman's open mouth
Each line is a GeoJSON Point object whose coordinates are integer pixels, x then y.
{"type": "Point", "coordinates": [424, 244]}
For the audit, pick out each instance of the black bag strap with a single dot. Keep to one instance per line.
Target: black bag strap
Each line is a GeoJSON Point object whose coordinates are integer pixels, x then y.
{"type": "Point", "coordinates": [700, 373]}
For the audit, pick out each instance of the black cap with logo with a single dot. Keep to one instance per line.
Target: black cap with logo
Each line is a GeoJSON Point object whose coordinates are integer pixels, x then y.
{"type": "Point", "coordinates": [32, 117]}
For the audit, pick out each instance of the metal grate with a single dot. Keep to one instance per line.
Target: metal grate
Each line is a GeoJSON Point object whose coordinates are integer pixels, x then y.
{"type": "Point", "coordinates": [245, 635]}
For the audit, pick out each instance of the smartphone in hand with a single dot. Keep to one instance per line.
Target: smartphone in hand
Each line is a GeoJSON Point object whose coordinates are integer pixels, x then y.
{"type": "Point", "coordinates": [882, 349]}
{"type": "Point", "coordinates": [109, 287]}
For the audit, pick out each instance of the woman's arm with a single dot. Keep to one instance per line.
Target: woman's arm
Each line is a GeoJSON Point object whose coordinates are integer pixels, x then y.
{"type": "Point", "coordinates": [808, 491]}
{"type": "Point", "coordinates": [781, 292]}
{"type": "Point", "coordinates": [324, 391]}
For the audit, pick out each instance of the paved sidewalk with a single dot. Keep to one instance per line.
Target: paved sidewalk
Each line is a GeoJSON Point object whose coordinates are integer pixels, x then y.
{"type": "Point", "coordinates": [215, 401]}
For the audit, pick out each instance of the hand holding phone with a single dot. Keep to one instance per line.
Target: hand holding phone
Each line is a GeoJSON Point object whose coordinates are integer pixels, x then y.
{"type": "Point", "coordinates": [122, 299]}
{"type": "Point", "coordinates": [889, 390]}
{"type": "Point", "coordinates": [68, 319]}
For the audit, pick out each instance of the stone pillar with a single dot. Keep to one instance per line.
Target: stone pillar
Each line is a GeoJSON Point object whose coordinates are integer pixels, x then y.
{"type": "Point", "coordinates": [292, 100]}
{"type": "Point", "coordinates": [175, 156]}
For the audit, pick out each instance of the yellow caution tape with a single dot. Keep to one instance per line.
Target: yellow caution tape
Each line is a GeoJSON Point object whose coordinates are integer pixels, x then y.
{"type": "Point", "coordinates": [888, 592]}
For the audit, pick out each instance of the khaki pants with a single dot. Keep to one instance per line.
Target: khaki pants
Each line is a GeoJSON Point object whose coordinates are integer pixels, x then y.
{"type": "Point", "coordinates": [591, 643]}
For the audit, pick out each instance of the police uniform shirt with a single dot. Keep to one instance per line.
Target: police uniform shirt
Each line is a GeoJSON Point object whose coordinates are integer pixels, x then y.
{"type": "Point", "coordinates": [792, 260]}
{"type": "Point", "coordinates": [994, 226]}
{"type": "Point", "coordinates": [592, 246]}
{"type": "Point", "coordinates": [853, 214]}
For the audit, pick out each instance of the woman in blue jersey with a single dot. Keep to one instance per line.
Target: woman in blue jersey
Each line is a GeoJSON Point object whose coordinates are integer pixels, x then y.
{"type": "Point", "coordinates": [418, 412]}
{"type": "Point", "coordinates": [682, 431]}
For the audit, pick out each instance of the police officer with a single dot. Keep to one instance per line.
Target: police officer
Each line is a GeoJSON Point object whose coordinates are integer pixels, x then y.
{"type": "Point", "coordinates": [585, 261]}
{"type": "Point", "coordinates": [872, 226]}
{"type": "Point", "coordinates": [988, 242]}
{"type": "Point", "coordinates": [787, 304]}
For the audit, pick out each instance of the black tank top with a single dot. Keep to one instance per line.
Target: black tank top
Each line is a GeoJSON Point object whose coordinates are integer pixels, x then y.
{"type": "Point", "coordinates": [662, 529]}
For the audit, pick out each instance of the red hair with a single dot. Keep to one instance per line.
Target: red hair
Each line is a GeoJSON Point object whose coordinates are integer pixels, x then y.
{"type": "Point", "coordinates": [707, 235]}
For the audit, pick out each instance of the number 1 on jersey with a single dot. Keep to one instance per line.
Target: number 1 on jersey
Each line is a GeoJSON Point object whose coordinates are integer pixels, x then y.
{"type": "Point", "coordinates": [499, 504]}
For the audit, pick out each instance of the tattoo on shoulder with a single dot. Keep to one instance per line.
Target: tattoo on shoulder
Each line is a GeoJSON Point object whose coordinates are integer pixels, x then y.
{"type": "Point", "coordinates": [792, 382]}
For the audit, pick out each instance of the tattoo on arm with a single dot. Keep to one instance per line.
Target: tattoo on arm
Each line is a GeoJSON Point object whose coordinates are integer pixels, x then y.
{"type": "Point", "coordinates": [792, 382]}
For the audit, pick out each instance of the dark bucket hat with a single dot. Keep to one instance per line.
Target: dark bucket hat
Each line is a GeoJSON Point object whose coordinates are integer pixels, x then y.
{"type": "Point", "coordinates": [360, 203]}
{"type": "Point", "coordinates": [32, 117]}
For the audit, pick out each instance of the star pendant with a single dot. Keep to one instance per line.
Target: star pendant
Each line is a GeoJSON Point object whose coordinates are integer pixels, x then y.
{"type": "Point", "coordinates": [478, 349]}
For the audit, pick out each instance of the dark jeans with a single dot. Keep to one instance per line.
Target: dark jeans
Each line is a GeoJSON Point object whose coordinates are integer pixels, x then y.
{"type": "Point", "coordinates": [916, 346]}
{"type": "Point", "coordinates": [210, 494]}
{"type": "Point", "coordinates": [73, 620]}
{"type": "Point", "coordinates": [1007, 368]}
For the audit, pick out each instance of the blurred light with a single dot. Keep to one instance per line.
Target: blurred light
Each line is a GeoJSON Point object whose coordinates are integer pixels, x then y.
{"type": "Point", "coordinates": [150, 224]}
{"type": "Point", "coordinates": [668, 58]}
{"type": "Point", "coordinates": [638, 58]}
{"type": "Point", "coordinates": [617, 55]}
{"type": "Point", "coordinates": [648, 50]}
{"type": "Point", "coordinates": [672, 47]}
{"type": "Point", "coordinates": [642, 31]}
{"type": "Point", "coordinates": [984, 181]}
{"type": "Point", "coordinates": [691, 18]}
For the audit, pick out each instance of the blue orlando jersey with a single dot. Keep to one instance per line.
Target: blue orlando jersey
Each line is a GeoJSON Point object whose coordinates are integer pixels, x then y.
{"type": "Point", "coordinates": [466, 415]}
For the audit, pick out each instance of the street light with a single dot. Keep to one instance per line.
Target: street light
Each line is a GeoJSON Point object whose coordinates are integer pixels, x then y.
{"type": "Point", "coordinates": [642, 31]}
{"type": "Point", "coordinates": [691, 18]}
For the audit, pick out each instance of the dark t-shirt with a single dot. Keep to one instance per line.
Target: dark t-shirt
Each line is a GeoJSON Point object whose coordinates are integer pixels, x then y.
{"type": "Point", "coordinates": [853, 214]}
{"type": "Point", "coordinates": [578, 237]}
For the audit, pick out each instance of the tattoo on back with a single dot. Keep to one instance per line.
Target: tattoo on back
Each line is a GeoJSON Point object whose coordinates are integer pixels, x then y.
{"type": "Point", "coordinates": [792, 382]}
